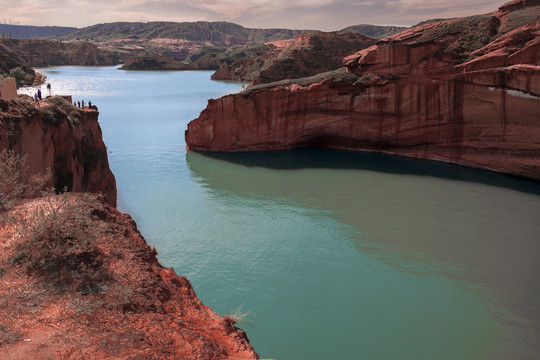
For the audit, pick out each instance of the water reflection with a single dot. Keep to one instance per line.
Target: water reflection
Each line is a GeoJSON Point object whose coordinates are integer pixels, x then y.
{"type": "Point", "coordinates": [478, 229]}
{"type": "Point", "coordinates": [321, 158]}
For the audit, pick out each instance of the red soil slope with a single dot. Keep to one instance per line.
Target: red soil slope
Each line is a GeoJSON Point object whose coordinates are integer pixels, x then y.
{"type": "Point", "coordinates": [78, 281]}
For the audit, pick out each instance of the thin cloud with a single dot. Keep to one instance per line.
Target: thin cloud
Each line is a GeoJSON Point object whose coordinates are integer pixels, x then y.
{"type": "Point", "coordinates": [298, 14]}
{"type": "Point", "coordinates": [364, 3]}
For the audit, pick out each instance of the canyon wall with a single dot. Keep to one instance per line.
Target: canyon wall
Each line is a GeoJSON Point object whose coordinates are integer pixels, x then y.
{"type": "Point", "coordinates": [464, 91]}
{"type": "Point", "coordinates": [60, 137]}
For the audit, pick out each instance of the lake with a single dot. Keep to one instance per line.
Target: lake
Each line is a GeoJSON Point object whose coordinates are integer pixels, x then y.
{"type": "Point", "coordinates": [333, 254]}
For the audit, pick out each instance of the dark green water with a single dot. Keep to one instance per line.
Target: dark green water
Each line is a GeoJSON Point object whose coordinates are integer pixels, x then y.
{"type": "Point", "coordinates": [338, 255]}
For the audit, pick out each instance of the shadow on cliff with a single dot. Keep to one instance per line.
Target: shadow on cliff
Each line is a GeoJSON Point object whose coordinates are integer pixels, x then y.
{"type": "Point", "coordinates": [323, 158]}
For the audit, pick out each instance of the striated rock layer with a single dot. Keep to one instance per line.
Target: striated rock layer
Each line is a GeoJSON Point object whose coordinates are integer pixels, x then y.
{"type": "Point", "coordinates": [62, 138]}
{"type": "Point", "coordinates": [306, 55]}
{"type": "Point", "coordinates": [464, 91]}
{"type": "Point", "coordinates": [89, 287]}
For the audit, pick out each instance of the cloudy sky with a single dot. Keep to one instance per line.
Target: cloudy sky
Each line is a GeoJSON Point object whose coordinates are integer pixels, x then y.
{"type": "Point", "coordinates": [293, 14]}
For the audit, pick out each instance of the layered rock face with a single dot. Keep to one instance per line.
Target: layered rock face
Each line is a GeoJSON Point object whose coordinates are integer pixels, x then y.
{"type": "Point", "coordinates": [103, 295]}
{"type": "Point", "coordinates": [39, 53]}
{"type": "Point", "coordinates": [464, 91]}
{"type": "Point", "coordinates": [306, 55]}
{"type": "Point", "coordinates": [60, 137]}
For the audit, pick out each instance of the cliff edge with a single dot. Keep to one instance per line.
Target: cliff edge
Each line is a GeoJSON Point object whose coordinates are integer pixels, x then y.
{"type": "Point", "coordinates": [62, 138]}
{"type": "Point", "coordinates": [77, 279]}
{"type": "Point", "coordinates": [463, 91]}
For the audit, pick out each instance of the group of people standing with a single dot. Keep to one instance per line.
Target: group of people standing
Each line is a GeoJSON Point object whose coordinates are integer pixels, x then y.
{"type": "Point", "coordinates": [81, 104]}
{"type": "Point", "coordinates": [37, 97]}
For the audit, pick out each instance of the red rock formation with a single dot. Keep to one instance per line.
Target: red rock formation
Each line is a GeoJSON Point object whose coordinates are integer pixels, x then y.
{"type": "Point", "coordinates": [464, 91]}
{"type": "Point", "coordinates": [93, 289]}
{"type": "Point", "coordinates": [306, 55]}
{"type": "Point", "coordinates": [62, 138]}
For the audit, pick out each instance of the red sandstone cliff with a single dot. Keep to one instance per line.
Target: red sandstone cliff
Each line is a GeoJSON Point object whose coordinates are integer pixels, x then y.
{"type": "Point", "coordinates": [78, 281]}
{"type": "Point", "coordinates": [306, 55]}
{"type": "Point", "coordinates": [60, 137]}
{"type": "Point", "coordinates": [464, 91]}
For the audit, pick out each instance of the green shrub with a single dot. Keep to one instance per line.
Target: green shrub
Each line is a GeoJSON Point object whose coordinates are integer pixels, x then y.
{"type": "Point", "coordinates": [21, 76]}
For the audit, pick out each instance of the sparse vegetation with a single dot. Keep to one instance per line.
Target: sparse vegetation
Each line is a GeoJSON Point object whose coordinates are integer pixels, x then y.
{"type": "Point", "coordinates": [16, 182]}
{"type": "Point", "coordinates": [60, 242]}
{"type": "Point", "coordinates": [39, 79]}
{"type": "Point", "coordinates": [21, 76]}
{"type": "Point", "coordinates": [238, 316]}
{"type": "Point", "coordinates": [8, 336]}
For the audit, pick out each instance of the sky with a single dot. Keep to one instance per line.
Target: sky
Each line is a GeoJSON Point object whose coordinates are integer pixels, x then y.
{"type": "Point", "coordinates": [326, 15]}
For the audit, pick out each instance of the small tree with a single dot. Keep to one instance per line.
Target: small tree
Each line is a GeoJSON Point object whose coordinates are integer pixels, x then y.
{"type": "Point", "coordinates": [39, 79]}
{"type": "Point", "coordinates": [21, 76]}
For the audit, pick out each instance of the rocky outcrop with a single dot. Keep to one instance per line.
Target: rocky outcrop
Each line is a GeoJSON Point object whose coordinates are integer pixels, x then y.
{"type": "Point", "coordinates": [62, 138]}
{"type": "Point", "coordinates": [306, 55]}
{"type": "Point", "coordinates": [85, 285]}
{"type": "Point", "coordinates": [464, 91]}
{"type": "Point", "coordinates": [40, 53]}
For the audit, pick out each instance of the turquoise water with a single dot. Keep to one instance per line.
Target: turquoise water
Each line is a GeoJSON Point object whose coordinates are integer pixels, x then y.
{"type": "Point", "coordinates": [336, 255]}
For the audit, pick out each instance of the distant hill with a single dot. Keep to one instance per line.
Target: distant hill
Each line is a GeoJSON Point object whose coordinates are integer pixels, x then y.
{"type": "Point", "coordinates": [375, 31]}
{"type": "Point", "coordinates": [215, 33]}
{"type": "Point", "coordinates": [42, 52]}
{"type": "Point", "coordinates": [32, 32]}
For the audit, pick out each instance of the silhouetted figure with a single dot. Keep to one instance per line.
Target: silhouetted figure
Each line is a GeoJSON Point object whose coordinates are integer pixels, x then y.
{"type": "Point", "coordinates": [39, 94]}
{"type": "Point", "coordinates": [36, 99]}
{"type": "Point", "coordinates": [79, 103]}
{"type": "Point", "coordinates": [89, 104]}
{"type": "Point", "coordinates": [82, 103]}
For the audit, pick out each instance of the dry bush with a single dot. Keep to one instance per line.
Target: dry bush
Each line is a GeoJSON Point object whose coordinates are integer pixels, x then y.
{"type": "Point", "coordinates": [238, 316]}
{"type": "Point", "coordinates": [59, 242]}
{"type": "Point", "coordinates": [16, 182]}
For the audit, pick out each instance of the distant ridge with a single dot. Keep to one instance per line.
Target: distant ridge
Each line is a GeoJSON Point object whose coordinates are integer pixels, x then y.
{"type": "Point", "coordinates": [216, 33]}
{"type": "Point", "coordinates": [375, 31]}
{"type": "Point", "coordinates": [32, 32]}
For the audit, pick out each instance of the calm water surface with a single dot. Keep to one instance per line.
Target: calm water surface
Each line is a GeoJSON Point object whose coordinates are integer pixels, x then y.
{"type": "Point", "coordinates": [337, 255]}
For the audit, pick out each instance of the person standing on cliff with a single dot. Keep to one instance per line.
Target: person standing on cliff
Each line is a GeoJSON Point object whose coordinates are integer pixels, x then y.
{"type": "Point", "coordinates": [39, 94]}
{"type": "Point", "coordinates": [82, 103]}
{"type": "Point", "coordinates": [79, 103]}
{"type": "Point", "coordinates": [36, 99]}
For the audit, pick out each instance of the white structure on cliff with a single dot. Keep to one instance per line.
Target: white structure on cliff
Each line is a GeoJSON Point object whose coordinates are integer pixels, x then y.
{"type": "Point", "coordinates": [8, 89]}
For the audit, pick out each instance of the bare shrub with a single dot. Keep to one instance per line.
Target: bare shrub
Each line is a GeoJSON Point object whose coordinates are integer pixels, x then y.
{"type": "Point", "coordinates": [16, 182]}
{"type": "Point", "coordinates": [238, 316]}
{"type": "Point", "coordinates": [59, 242]}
